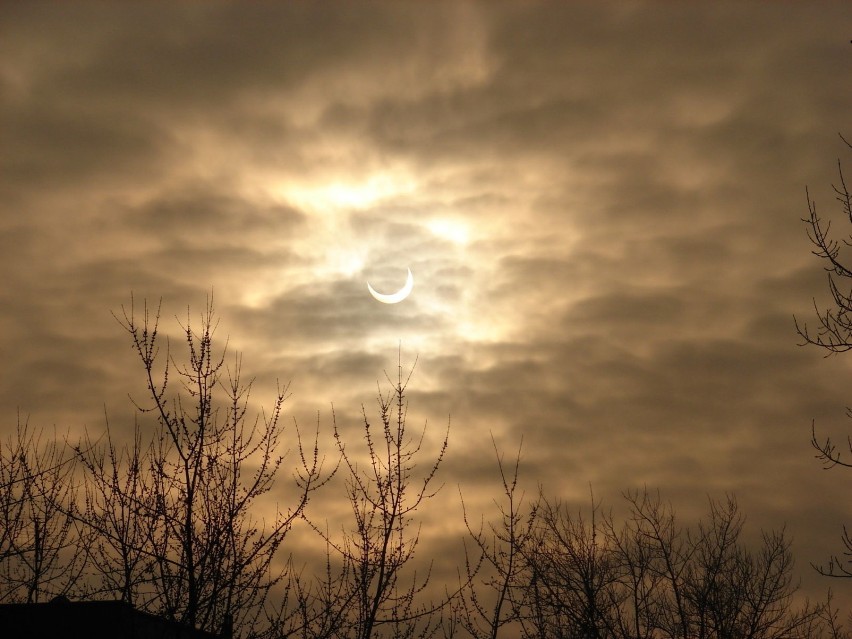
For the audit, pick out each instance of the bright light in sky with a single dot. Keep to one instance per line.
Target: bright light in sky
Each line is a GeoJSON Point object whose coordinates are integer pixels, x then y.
{"type": "Point", "coordinates": [339, 193]}
{"type": "Point", "coordinates": [327, 201]}
{"type": "Point", "coordinates": [349, 262]}
{"type": "Point", "coordinates": [453, 230]}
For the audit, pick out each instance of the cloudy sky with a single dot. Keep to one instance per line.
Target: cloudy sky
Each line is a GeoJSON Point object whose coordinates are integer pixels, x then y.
{"type": "Point", "coordinates": [600, 206]}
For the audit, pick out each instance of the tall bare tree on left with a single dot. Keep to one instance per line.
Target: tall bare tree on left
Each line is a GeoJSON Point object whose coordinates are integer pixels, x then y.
{"type": "Point", "coordinates": [175, 513]}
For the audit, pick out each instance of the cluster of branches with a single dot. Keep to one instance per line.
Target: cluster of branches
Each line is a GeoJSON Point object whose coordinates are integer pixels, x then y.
{"type": "Point", "coordinates": [169, 521]}
{"type": "Point", "coordinates": [39, 532]}
{"type": "Point", "coordinates": [371, 586]}
{"type": "Point", "coordinates": [542, 571]}
{"type": "Point", "coordinates": [833, 334]}
{"type": "Point", "coordinates": [173, 519]}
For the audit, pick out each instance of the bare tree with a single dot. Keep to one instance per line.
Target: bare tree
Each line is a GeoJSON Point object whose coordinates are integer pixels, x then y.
{"type": "Point", "coordinates": [829, 624]}
{"type": "Point", "coordinates": [177, 532]}
{"type": "Point", "coordinates": [497, 565]}
{"type": "Point", "coordinates": [834, 335]}
{"type": "Point", "coordinates": [654, 578]}
{"type": "Point", "coordinates": [118, 495]}
{"type": "Point", "coordinates": [834, 330]}
{"type": "Point", "coordinates": [712, 585]}
{"type": "Point", "coordinates": [640, 600]}
{"type": "Point", "coordinates": [41, 551]}
{"type": "Point", "coordinates": [573, 570]}
{"type": "Point", "coordinates": [369, 587]}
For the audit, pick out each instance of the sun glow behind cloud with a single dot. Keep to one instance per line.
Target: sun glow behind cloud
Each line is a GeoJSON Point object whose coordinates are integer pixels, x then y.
{"type": "Point", "coordinates": [453, 230]}
{"type": "Point", "coordinates": [327, 249]}
{"type": "Point", "coordinates": [370, 225]}
{"type": "Point", "coordinates": [444, 296]}
{"type": "Point", "coordinates": [345, 193]}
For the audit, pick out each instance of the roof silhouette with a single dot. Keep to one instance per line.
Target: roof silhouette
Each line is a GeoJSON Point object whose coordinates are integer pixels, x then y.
{"type": "Point", "coordinates": [90, 620]}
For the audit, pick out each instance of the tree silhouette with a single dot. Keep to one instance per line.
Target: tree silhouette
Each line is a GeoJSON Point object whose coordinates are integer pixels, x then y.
{"type": "Point", "coordinates": [494, 583]}
{"type": "Point", "coordinates": [40, 541]}
{"type": "Point", "coordinates": [168, 521]}
{"type": "Point", "coordinates": [834, 335]}
{"type": "Point", "coordinates": [651, 577]}
{"type": "Point", "coordinates": [368, 588]}
{"type": "Point", "coordinates": [174, 517]}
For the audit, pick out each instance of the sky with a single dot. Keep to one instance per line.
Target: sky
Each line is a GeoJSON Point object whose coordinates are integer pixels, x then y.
{"type": "Point", "coordinates": [600, 205]}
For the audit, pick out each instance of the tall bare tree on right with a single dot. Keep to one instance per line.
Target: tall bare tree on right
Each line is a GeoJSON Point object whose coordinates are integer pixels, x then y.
{"type": "Point", "coordinates": [833, 333]}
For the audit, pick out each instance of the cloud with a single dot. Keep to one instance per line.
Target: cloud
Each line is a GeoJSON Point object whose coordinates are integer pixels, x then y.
{"type": "Point", "coordinates": [629, 182]}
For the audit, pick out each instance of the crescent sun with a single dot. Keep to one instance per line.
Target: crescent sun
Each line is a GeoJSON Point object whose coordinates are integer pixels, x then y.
{"type": "Point", "coordinates": [393, 298]}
